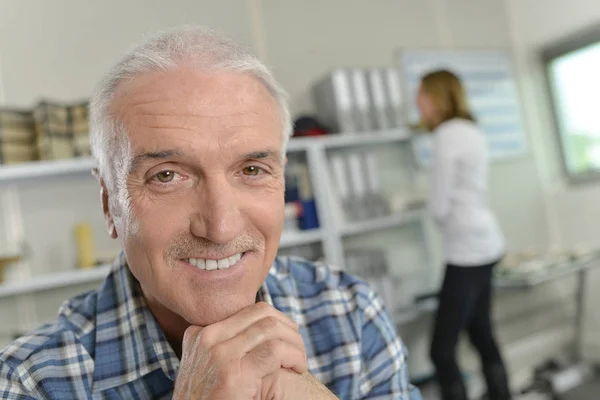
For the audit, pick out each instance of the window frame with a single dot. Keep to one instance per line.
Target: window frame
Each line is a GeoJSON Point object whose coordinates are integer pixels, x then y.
{"type": "Point", "coordinates": [570, 44]}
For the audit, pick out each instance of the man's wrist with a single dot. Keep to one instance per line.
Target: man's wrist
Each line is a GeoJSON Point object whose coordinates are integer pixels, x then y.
{"type": "Point", "coordinates": [303, 386]}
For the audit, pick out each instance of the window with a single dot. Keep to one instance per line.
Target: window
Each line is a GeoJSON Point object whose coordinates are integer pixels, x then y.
{"type": "Point", "coordinates": [573, 71]}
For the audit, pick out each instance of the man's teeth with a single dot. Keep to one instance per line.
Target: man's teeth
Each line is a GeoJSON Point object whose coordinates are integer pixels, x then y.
{"type": "Point", "coordinates": [211, 265]}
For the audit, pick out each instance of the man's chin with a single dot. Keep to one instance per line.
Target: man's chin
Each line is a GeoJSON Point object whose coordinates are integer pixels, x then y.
{"type": "Point", "coordinates": [218, 311]}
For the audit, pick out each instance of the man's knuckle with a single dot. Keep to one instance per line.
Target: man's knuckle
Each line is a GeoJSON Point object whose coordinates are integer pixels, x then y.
{"type": "Point", "coordinates": [262, 329]}
{"type": "Point", "coordinates": [263, 307]}
{"type": "Point", "coordinates": [205, 337]}
{"type": "Point", "coordinates": [227, 378]}
{"type": "Point", "coordinates": [190, 333]}
{"type": "Point", "coordinates": [218, 354]}
{"type": "Point", "coordinates": [273, 348]}
{"type": "Point", "coordinates": [268, 323]}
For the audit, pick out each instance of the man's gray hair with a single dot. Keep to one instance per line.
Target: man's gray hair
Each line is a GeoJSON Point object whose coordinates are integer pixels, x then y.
{"type": "Point", "coordinates": [194, 47]}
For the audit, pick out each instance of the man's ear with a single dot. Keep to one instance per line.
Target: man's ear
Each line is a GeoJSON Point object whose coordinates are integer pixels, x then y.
{"type": "Point", "coordinates": [105, 200]}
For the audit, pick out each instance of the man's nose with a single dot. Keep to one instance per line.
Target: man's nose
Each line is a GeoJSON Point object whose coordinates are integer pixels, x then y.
{"type": "Point", "coordinates": [218, 217]}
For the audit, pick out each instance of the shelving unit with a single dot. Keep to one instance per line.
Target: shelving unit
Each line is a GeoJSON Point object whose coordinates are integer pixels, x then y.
{"type": "Point", "coordinates": [54, 280]}
{"type": "Point", "coordinates": [299, 238]}
{"type": "Point", "coordinates": [331, 234]}
{"type": "Point", "coordinates": [18, 173]}
{"type": "Point", "coordinates": [389, 221]}
{"type": "Point", "coordinates": [350, 139]}
{"type": "Point", "coordinates": [409, 315]}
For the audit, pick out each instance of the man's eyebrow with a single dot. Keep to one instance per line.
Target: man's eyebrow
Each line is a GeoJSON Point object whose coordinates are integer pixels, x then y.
{"type": "Point", "coordinates": [258, 155]}
{"type": "Point", "coordinates": [151, 155]}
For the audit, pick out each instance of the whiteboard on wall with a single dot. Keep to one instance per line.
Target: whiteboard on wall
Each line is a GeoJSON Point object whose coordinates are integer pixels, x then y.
{"type": "Point", "coordinates": [488, 78]}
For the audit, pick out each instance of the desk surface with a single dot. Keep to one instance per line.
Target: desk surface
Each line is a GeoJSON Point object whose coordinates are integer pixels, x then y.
{"type": "Point", "coordinates": [548, 274]}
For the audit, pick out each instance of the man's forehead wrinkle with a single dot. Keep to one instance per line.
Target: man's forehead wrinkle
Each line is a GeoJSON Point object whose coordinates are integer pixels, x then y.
{"type": "Point", "coordinates": [173, 127]}
{"type": "Point", "coordinates": [142, 99]}
{"type": "Point", "coordinates": [168, 119]}
{"type": "Point", "coordinates": [194, 115]}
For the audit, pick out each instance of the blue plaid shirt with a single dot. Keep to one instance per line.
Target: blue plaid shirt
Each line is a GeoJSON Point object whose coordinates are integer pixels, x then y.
{"type": "Point", "coordinates": [106, 344]}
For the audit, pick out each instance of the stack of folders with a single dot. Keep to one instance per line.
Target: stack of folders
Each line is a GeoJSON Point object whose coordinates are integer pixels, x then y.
{"type": "Point", "coordinates": [360, 100]}
{"type": "Point", "coordinates": [370, 264]}
{"type": "Point", "coordinates": [358, 185]}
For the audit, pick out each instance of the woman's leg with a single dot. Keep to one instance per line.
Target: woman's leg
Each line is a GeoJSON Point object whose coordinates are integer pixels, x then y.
{"type": "Point", "coordinates": [456, 303]}
{"type": "Point", "coordinates": [481, 334]}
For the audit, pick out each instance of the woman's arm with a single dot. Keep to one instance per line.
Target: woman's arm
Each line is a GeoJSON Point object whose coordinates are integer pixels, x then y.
{"type": "Point", "coordinates": [442, 177]}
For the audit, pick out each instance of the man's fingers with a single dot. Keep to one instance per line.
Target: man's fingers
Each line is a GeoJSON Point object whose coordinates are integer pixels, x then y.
{"type": "Point", "coordinates": [264, 330]}
{"type": "Point", "coordinates": [270, 356]}
{"type": "Point", "coordinates": [240, 321]}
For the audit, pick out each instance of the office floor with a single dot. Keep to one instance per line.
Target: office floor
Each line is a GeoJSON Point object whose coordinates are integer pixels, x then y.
{"type": "Point", "coordinates": [588, 385]}
{"type": "Point", "coordinates": [588, 391]}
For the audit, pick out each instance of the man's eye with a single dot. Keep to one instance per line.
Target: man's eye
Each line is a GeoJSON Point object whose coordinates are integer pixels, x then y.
{"type": "Point", "coordinates": [165, 176]}
{"type": "Point", "coordinates": [251, 170]}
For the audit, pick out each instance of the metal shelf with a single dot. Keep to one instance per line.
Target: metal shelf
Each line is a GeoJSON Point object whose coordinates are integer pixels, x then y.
{"type": "Point", "coordinates": [17, 173]}
{"type": "Point", "coordinates": [550, 274]}
{"type": "Point", "coordinates": [382, 223]}
{"type": "Point", "coordinates": [299, 238]}
{"type": "Point", "coordinates": [337, 140]}
{"type": "Point", "coordinates": [411, 314]}
{"type": "Point", "coordinates": [54, 281]}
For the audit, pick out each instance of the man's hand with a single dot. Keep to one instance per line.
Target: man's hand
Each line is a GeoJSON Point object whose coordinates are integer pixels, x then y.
{"type": "Point", "coordinates": [288, 385]}
{"type": "Point", "coordinates": [230, 359]}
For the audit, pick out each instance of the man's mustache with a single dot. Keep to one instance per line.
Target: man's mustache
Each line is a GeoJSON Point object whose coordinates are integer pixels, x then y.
{"type": "Point", "coordinates": [186, 245]}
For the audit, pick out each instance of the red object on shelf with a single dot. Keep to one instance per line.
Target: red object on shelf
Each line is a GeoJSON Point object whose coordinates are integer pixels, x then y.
{"type": "Point", "coordinates": [311, 132]}
{"type": "Point", "coordinates": [308, 126]}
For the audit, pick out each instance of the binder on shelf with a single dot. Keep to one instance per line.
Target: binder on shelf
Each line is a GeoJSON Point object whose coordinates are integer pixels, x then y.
{"type": "Point", "coordinates": [358, 186]}
{"type": "Point", "coordinates": [17, 137]}
{"type": "Point", "coordinates": [338, 168]}
{"type": "Point", "coordinates": [335, 105]}
{"type": "Point", "coordinates": [62, 130]}
{"type": "Point", "coordinates": [376, 202]}
{"type": "Point", "coordinates": [362, 104]}
{"type": "Point", "coordinates": [395, 108]}
{"type": "Point", "coordinates": [84, 243]}
{"type": "Point", "coordinates": [379, 99]}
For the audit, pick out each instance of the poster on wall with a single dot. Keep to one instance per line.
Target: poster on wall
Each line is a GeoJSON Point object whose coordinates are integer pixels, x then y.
{"type": "Point", "coordinates": [491, 89]}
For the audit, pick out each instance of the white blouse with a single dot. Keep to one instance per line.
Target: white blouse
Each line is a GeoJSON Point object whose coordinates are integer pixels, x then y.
{"type": "Point", "coordinates": [457, 198]}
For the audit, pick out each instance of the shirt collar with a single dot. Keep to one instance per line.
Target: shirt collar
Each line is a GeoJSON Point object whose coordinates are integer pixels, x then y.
{"type": "Point", "coordinates": [126, 328]}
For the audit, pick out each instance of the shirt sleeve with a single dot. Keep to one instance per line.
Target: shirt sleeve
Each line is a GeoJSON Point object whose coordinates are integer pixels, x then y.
{"type": "Point", "coordinates": [11, 388]}
{"type": "Point", "coordinates": [442, 177]}
{"type": "Point", "coordinates": [385, 372]}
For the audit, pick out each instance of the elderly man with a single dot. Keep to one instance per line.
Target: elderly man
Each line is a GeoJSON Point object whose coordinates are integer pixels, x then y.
{"type": "Point", "coordinates": [189, 132]}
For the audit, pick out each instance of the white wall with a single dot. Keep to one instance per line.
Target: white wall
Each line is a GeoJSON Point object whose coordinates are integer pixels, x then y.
{"type": "Point", "coordinates": [554, 20]}
{"type": "Point", "coordinates": [574, 211]}
{"type": "Point", "coordinates": [60, 49]}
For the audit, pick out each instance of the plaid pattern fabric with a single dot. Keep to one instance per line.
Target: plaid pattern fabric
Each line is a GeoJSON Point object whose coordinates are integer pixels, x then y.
{"type": "Point", "coordinates": [17, 137]}
{"type": "Point", "coordinates": [107, 345]}
{"type": "Point", "coordinates": [62, 130]}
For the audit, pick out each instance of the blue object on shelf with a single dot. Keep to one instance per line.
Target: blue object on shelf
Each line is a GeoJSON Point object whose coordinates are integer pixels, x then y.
{"type": "Point", "coordinates": [292, 189]}
{"type": "Point", "coordinates": [309, 218]}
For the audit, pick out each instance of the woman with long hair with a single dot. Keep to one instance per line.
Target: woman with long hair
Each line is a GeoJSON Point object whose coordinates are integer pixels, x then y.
{"type": "Point", "coordinates": [473, 242]}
